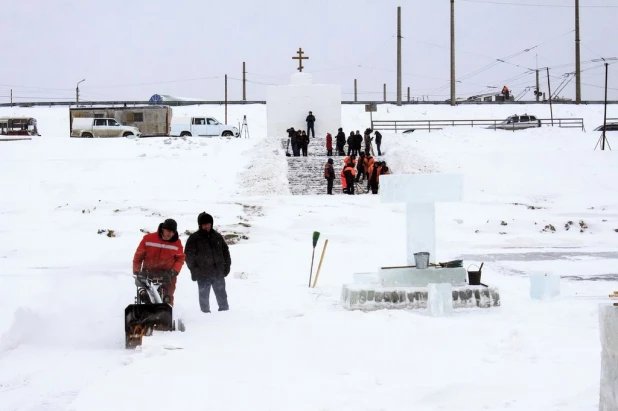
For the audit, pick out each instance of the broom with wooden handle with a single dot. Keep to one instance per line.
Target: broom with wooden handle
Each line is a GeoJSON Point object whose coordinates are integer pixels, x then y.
{"type": "Point", "coordinates": [317, 274]}
{"type": "Point", "coordinates": [316, 236]}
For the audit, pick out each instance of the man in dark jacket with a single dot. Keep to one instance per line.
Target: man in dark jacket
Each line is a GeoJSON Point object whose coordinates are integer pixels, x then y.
{"type": "Point", "coordinates": [208, 259]}
{"type": "Point", "coordinates": [329, 175]}
{"type": "Point", "coordinates": [340, 142]}
{"type": "Point", "coordinates": [378, 142]}
{"type": "Point", "coordinates": [310, 122]}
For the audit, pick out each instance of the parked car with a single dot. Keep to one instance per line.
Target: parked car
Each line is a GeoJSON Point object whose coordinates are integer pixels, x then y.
{"type": "Point", "coordinates": [518, 122]}
{"type": "Point", "coordinates": [610, 127]}
{"type": "Point", "coordinates": [88, 127]}
{"type": "Point", "coordinates": [201, 126]}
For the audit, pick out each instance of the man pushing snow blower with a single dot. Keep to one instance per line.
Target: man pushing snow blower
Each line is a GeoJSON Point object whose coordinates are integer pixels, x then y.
{"type": "Point", "coordinates": [156, 263]}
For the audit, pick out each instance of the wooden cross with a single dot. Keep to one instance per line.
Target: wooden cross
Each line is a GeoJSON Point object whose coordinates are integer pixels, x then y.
{"type": "Point", "coordinates": [300, 59]}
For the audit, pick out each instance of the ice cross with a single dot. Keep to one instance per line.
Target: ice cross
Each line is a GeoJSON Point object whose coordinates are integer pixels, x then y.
{"type": "Point", "coordinates": [300, 59]}
{"type": "Point", "coordinates": [420, 192]}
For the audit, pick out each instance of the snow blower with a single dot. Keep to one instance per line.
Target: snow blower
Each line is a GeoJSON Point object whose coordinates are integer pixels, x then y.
{"type": "Point", "coordinates": [151, 311]}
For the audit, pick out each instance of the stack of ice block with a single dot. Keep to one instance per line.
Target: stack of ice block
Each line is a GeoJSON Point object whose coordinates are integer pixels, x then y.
{"type": "Point", "coordinates": [608, 319]}
{"type": "Point", "coordinates": [440, 299]}
{"type": "Point", "coordinates": [544, 286]}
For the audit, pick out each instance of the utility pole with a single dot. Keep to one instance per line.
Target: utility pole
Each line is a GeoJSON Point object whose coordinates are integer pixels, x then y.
{"type": "Point", "coordinates": [538, 86]}
{"type": "Point", "coordinates": [385, 92]}
{"type": "Point", "coordinates": [226, 99]}
{"type": "Point", "coordinates": [398, 56]}
{"type": "Point", "coordinates": [605, 112]}
{"type": "Point", "coordinates": [408, 94]}
{"type": "Point", "coordinates": [551, 110]}
{"type": "Point", "coordinates": [244, 82]}
{"type": "Point", "coordinates": [452, 52]}
{"type": "Point", "coordinates": [11, 97]}
{"type": "Point", "coordinates": [355, 91]}
{"type": "Point", "coordinates": [578, 82]}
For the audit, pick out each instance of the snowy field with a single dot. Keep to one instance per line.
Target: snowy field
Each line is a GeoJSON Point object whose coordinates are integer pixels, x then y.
{"type": "Point", "coordinates": [283, 346]}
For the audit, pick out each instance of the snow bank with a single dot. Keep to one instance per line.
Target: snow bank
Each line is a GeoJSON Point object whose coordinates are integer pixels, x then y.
{"type": "Point", "coordinates": [266, 173]}
{"type": "Point", "coordinates": [608, 318]}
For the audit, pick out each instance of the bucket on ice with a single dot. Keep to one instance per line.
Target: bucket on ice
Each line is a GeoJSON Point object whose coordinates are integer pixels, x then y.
{"type": "Point", "coordinates": [474, 277]}
{"type": "Point", "coordinates": [422, 260]}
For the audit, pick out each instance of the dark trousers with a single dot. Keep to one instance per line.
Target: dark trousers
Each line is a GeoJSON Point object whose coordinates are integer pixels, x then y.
{"type": "Point", "coordinates": [218, 286]}
{"type": "Point", "coordinates": [350, 182]}
{"type": "Point", "coordinates": [378, 146]}
{"type": "Point", "coordinates": [304, 150]}
{"type": "Point", "coordinates": [329, 152]}
{"type": "Point", "coordinates": [374, 187]}
{"type": "Point", "coordinates": [329, 185]}
{"type": "Point", "coordinates": [310, 128]}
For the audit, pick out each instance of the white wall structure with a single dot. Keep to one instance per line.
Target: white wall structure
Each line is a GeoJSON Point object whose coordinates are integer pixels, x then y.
{"type": "Point", "coordinates": [608, 319]}
{"type": "Point", "coordinates": [288, 106]}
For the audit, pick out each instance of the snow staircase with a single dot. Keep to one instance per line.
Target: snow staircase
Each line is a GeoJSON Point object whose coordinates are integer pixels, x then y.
{"type": "Point", "coordinates": [306, 174]}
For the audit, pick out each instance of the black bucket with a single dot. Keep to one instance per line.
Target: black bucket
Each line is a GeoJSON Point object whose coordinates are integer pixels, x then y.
{"type": "Point", "coordinates": [474, 277]}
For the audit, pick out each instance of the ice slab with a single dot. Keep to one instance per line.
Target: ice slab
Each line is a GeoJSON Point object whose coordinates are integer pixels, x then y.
{"type": "Point", "coordinates": [421, 188]}
{"type": "Point", "coordinates": [544, 286]}
{"type": "Point", "coordinates": [414, 277]}
{"type": "Point", "coordinates": [368, 297]}
{"type": "Point", "coordinates": [366, 278]}
{"type": "Point", "coordinates": [440, 299]}
{"type": "Point", "coordinates": [608, 324]}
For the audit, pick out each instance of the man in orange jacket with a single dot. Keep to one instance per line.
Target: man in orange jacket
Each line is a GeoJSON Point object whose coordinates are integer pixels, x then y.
{"type": "Point", "coordinates": [160, 253]}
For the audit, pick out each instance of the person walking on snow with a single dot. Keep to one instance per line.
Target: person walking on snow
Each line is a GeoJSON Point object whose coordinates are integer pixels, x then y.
{"type": "Point", "coordinates": [208, 259]}
{"type": "Point", "coordinates": [310, 121]}
{"type": "Point", "coordinates": [329, 175]}
{"type": "Point", "coordinates": [160, 253]}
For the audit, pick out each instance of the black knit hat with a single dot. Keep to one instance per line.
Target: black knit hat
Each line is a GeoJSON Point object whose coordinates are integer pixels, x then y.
{"type": "Point", "coordinates": [169, 224]}
{"type": "Point", "coordinates": [204, 218]}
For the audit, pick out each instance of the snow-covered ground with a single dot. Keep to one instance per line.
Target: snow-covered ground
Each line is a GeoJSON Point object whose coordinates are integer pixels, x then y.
{"type": "Point", "coordinates": [283, 346]}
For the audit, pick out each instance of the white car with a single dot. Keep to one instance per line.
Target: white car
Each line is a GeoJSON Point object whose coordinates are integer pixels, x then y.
{"type": "Point", "coordinates": [89, 127]}
{"type": "Point", "coordinates": [201, 126]}
{"type": "Point", "coordinates": [518, 122]}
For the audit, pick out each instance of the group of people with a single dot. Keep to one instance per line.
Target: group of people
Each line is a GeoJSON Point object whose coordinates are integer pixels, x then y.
{"type": "Point", "coordinates": [206, 254]}
{"type": "Point", "coordinates": [299, 139]}
{"type": "Point", "coordinates": [355, 171]}
{"type": "Point", "coordinates": [355, 142]}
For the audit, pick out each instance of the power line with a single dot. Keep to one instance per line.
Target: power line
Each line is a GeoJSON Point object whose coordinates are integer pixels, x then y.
{"type": "Point", "coordinates": [537, 5]}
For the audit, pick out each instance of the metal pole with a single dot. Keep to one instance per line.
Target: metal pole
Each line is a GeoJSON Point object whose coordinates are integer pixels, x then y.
{"type": "Point", "coordinates": [452, 52]}
{"type": "Point", "coordinates": [578, 84]}
{"type": "Point", "coordinates": [398, 56]}
{"type": "Point", "coordinates": [244, 82]}
{"type": "Point", "coordinates": [385, 92]}
{"type": "Point", "coordinates": [226, 99]}
{"type": "Point", "coordinates": [355, 91]}
{"type": "Point", "coordinates": [551, 110]}
{"type": "Point", "coordinates": [605, 113]}
{"type": "Point", "coordinates": [408, 94]}
{"type": "Point", "coordinates": [538, 86]}
{"type": "Point", "coordinates": [11, 97]}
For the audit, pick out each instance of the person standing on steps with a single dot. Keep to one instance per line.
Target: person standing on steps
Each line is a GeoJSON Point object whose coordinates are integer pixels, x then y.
{"type": "Point", "coordinates": [305, 143]}
{"type": "Point", "coordinates": [208, 259]}
{"type": "Point", "coordinates": [368, 140]}
{"type": "Point", "coordinates": [310, 123]}
{"type": "Point", "coordinates": [340, 142]}
{"type": "Point", "coordinates": [378, 142]}
{"type": "Point", "coordinates": [329, 175]}
{"type": "Point", "coordinates": [329, 144]}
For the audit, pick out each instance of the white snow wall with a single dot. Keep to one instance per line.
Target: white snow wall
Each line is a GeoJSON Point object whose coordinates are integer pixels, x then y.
{"type": "Point", "coordinates": [608, 318]}
{"type": "Point", "coordinates": [288, 106]}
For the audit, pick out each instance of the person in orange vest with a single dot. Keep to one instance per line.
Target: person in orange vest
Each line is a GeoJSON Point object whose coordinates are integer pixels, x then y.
{"type": "Point", "coordinates": [349, 173]}
{"type": "Point", "coordinates": [506, 93]}
{"type": "Point", "coordinates": [369, 162]}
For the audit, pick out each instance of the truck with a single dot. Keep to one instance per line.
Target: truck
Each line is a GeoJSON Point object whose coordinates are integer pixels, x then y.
{"type": "Point", "coordinates": [201, 126]}
{"type": "Point", "coordinates": [89, 127]}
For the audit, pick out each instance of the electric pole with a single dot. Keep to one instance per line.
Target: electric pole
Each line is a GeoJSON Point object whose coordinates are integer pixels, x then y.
{"type": "Point", "coordinates": [551, 110]}
{"type": "Point", "coordinates": [578, 83]}
{"type": "Point", "coordinates": [452, 52]}
{"type": "Point", "coordinates": [226, 99]}
{"type": "Point", "coordinates": [398, 56]}
{"type": "Point", "coordinates": [355, 91]}
{"type": "Point", "coordinates": [244, 82]}
{"type": "Point", "coordinates": [11, 97]}
{"type": "Point", "coordinates": [385, 92]}
{"type": "Point", "coordinates": [408, 94]}
{"type": "Point", "coordinates": [605, 112]}
{"type": "Point", "coordinates": [538, 86]}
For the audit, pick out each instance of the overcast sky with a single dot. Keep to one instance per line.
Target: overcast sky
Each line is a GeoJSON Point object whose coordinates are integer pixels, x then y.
{"type": "Point", "coordinates": [131, 49]}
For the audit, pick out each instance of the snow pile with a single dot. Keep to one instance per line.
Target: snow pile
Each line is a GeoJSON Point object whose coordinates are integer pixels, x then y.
{"type": "Point", "coordinates": [266, 173]}
{"type": "Point", "coordinates": [608, 316]}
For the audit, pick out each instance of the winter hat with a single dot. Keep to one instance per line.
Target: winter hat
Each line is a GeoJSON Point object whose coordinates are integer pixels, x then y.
{"type": "Point", "coordinates": [330, 161]}
{"type": "Point", "coordinates": [204, 218]}
{"type": "Point", "coordinates": [169, 224]}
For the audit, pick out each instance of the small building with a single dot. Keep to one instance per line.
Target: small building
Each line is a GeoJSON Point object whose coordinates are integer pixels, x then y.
{"type": "Point", "coordinates": [151, 120]}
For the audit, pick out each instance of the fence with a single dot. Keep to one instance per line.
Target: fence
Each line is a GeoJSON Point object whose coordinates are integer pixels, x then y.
{"type": "Point", "coordinates": [410, 125]}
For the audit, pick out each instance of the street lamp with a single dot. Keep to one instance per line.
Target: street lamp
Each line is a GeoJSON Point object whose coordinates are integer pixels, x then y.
{"type": "Point", "coordinates": [77, 91]}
